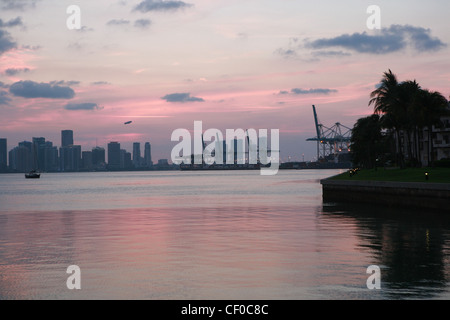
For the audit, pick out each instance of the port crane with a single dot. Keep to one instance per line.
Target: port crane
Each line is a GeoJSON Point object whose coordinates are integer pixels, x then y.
{"type": "Point", "coordinates": [330, 140]}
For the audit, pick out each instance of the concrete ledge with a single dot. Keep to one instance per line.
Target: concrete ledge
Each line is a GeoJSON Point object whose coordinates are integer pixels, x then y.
{"type": "Point", "coordinates": [406, 194]}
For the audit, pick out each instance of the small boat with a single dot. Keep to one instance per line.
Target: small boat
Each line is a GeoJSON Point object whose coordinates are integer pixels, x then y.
{"type": "Point", "coordinates": [32, 175]}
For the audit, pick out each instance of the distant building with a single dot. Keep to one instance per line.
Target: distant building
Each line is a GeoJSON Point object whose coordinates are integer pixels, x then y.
{"type": "Point", "coordinates": [148, 155]}
{"type": "Point", "coordinates": [38, 153]}
{"type": "Point", "coordinates": [51, 159]}
{"type": "Point", "coordinates": [114, 156]}
{"type": "Point", "coordinates": [125, 160]}
{"type": "Point", "coordinates": [70, 158]}
{"type": "Point", "coordinates": [3, 155]}
{"type": "Point", "coordinates": [137, 154]}
{"type": "Point", "coordinates": [98, 158]}
{"type": "Point", "coordinates": [66, 138]}
{"type": "Point", "coordinates": [128, 162]}
{"type": "Point", "coordinates": [86, 159]}
{"type": "Point", "coordinates": [20, 159]}
{"type": "Point", "coordinates": [122, 158]}
{"type": "Point", "coordinates": [163, 163]}
{"type": "Point", "coordinates": [439, 147]}
{"type": "Point", "coordinates": [436, 148]}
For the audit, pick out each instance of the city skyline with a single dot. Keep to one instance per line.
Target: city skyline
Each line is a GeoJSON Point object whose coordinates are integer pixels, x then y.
{"type": "Point", "coordinates": [42, 154]}
{"type": "Point", "coordinates": [230, 64]}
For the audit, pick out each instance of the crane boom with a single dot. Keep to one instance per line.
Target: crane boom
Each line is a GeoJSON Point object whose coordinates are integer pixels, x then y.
{"type": "Point", "coordinates": [316, 122]}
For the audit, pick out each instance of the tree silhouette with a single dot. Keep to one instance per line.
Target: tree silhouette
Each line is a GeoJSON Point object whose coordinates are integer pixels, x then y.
{"type": "Point", "coordinates": [406, 109]}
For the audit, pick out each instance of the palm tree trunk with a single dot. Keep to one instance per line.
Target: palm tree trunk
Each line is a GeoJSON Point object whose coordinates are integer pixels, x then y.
{"type": "Point", "coordinates": [409, 146]}
{"type": "Point", "coordinates": [432, 147]}
{"type": "Point", "coordinates": [429, 146]}
{"type": "Point", "coordinates": [416, 147]}
{"type": "Point", "coordinates": [399, 148]}
{"type": "Point", "coordinates": [419, 155]}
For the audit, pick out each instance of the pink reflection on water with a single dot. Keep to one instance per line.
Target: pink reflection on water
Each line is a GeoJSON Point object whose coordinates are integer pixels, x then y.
{"type": "Point", "coordinates": [166, 252]}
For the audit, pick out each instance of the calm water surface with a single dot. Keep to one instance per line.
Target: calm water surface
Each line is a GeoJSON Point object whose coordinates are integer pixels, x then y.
{"type": "Point", "coordinates": [211, 235]}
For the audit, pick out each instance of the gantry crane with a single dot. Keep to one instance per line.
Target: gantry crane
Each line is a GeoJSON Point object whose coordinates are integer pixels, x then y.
{"type": "Point", "coordinates": [330, 141]}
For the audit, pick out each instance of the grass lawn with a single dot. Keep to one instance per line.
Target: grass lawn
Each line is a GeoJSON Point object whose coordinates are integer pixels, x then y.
{"type": "Point", "coordinates": [435, 175]}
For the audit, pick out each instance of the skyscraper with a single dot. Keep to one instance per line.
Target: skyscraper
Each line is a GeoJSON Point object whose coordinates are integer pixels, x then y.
{"type": "Point", "coordinates": [70, 158]}
{"type": "Point", "coordinates": [137, 154]}
{"type": "Point", "coordinates": [66, 138]}
{"type": "Point", "coordinates": [113, 155]}
{"type": "Point", "coordinates": [148, 155]}
{"type": "Point", "coordinates": [38, 153]}
{"type": "Point", "coordinates": [3, 155]}
{"type": "Point", "coordinates": [20, 159]}
{"type": "Point", "coordinates": [127, 161]}
{"type": "Point", "coordinates": [51, 162]}
{"type": "Point", "coordinates": [86, 157]}
{"type": "Point", "coordinates": [98, 157]}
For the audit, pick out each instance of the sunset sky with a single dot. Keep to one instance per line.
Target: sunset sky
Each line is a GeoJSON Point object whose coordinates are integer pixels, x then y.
{"type": "Point", "coordinates": [231, 64]}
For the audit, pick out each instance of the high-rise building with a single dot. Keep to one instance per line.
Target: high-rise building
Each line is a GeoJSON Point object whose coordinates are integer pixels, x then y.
{"type": "Point", "coordinates": [128, 164]}
{"type": "Point", "coordinates": [20, 158]}
{"type": "Point", "coordinates": [3, 155]}
{"type": "Point", "coordinates": [86, 157]}
{"type": "Point", "coordinates": [137, 154]}
{"type": "Point", "coordinates": [148, 155]}
{"type": "Point", "coordinates": [98, 157]}
{"type": "Point", "coordinates": [70, 158]}
{"type": "Point", "coordinates": [113, 155]}
{"type": "Point", "coordinates": [38, 153]}
{"type": "Point", "coordinates": [125, 159]}
{"type": "Point", "coordinates": [66, 138]}
{"type": "Point", "coordinates": [51, 162]}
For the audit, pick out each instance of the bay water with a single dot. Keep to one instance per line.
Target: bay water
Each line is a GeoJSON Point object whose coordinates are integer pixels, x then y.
{"type": "Point", "coordinates": [211, 235]}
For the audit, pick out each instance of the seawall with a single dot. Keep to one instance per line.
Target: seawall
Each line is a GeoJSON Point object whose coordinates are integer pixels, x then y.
{"type": "Point", "coordinates": [434, 196]}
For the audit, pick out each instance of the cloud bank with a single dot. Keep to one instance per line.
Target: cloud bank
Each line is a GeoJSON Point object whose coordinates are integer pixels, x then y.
{"type": "Point", "coordinates": [30, 89]}
{"type": "Point", "coordinates": [18, 5]}
{"type": "Point", "coordinates": [6, 42]}
{"type": "Point", "coordinates": [4, 99]}
{"type": "Point", "coordinates": [299, 91]}
{"type": "Point", "coordinates": [385, 41]}
{"type": "Point", "coordinates": [388, 40]}
{"type": "Point", "coordinates": [159, 5]}
{"type": "Point", "coordinates": [118, 22]}
{"type": "Point", "coordinates": [11, 23]}
{"type": "Point", "coordinates": [15, 71]}
{"type": "Point", "coordinates": [142, 23]}
{"type": "Point", "coordinates": [82, 106]}
{"type": "Point", "coordinates": [181, 97]}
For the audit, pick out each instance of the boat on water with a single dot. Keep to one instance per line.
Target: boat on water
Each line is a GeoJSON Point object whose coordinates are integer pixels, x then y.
{"type": "Point", "coordinates": [32, 175]}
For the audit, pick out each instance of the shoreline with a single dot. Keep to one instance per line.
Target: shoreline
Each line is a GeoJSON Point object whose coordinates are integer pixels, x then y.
{"type": "Point", "coordinates": [420, 195]}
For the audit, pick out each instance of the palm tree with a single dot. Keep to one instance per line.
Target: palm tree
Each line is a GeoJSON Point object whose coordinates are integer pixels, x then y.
{"type": "Point", "coordinates": [386, 103]}
{"type": "Point", "coordinates": [367, 141]}
{"type": "Point", "coordinates": [434, 106]}
{"type": "Point", "coordinates": [409, 92]}
{"type": "Point", "coordinates": [406, 109]}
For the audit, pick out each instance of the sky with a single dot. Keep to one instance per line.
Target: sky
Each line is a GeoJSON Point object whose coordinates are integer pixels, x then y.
{"type": "Point", "coordinates": [230, 64]}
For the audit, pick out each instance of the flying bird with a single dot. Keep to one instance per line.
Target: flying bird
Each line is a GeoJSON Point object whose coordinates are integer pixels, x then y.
{"type": "Point", "coordinates": [128, 122]}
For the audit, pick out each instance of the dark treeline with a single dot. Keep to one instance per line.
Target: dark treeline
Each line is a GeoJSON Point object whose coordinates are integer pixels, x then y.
{"type": "Point", "coordinates": [403, 113]}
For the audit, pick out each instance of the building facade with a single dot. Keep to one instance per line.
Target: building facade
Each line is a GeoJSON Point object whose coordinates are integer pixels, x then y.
{"type": "Point", "coordinates": [3, 155]}
{"type": "Point", "coordinates": [66, 138]}
{"type": "Point", "coordinates": [435, 145]}
{"type": "Point", "coordinates": [137, 155]}
{"type": "Point", "coordinates": [148, 155]}
{"type": "Point", "coordinates": [114, 155]}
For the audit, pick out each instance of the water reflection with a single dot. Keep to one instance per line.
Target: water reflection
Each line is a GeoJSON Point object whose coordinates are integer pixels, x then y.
{"type": "Point", "coordinates": [410, 246]}
{"type": "Point", "coordinates": [183, 236]}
